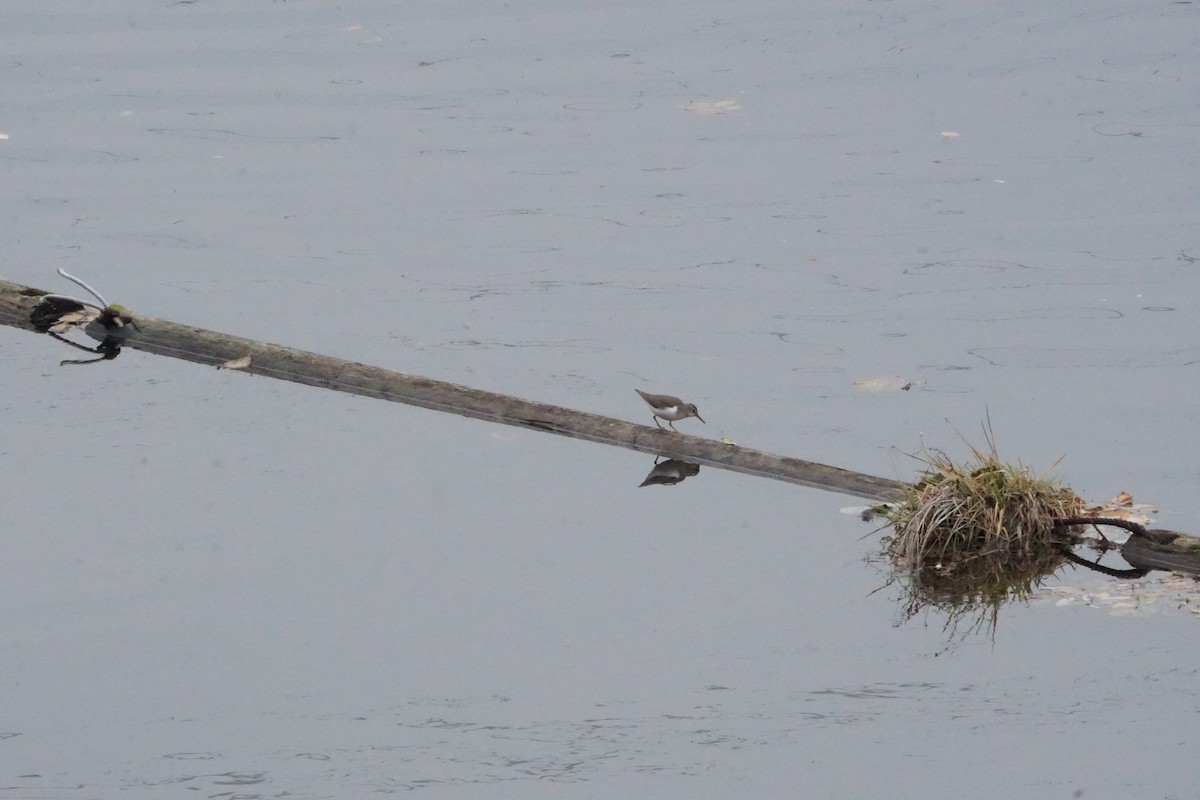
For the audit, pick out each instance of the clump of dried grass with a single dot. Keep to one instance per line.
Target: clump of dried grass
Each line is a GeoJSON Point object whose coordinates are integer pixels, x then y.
{"type": "Point", "coordinates": [981, 530]}
{"type": "Point", "coordinates": [983, 507]}
{"type": "Point", "coordinates": [970, 537]}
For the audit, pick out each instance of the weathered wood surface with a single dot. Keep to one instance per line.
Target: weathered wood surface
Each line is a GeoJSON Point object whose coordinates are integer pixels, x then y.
{"type": "Point", "coordinates": [1160, 548]}
{"type": "Point", "coordinates": [275, 361]}
{"type": "Point", "coordinates": [1149, 548]}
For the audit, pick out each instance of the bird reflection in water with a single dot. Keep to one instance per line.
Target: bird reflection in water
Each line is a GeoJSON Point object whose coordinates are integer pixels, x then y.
{"type": "Point", "coordinates": [669, 472]}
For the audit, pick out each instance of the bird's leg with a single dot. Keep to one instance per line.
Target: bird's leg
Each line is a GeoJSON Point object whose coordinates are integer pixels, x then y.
{"type": "Point", "coordinates": [659, 424]}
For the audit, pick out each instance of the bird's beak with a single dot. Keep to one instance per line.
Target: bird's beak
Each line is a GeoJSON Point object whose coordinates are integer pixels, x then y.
{"type": "Point", "coordinates": [701, 419]}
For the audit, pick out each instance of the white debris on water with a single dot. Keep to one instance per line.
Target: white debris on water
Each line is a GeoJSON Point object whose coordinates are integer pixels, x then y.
{"type": "Point", "coordinates": [1150, 595]}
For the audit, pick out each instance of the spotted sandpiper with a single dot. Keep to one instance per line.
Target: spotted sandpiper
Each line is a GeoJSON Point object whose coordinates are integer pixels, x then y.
{"type": "Point", "coordinates": [669, 408]}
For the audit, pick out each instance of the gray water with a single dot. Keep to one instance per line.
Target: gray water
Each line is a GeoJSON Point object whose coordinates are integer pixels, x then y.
{"type": "Point", "coordinates": [217, 585]}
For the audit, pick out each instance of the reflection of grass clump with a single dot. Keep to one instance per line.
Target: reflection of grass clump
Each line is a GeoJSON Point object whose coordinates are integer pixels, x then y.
{"type": "Point", "coordinates": [972, 536]}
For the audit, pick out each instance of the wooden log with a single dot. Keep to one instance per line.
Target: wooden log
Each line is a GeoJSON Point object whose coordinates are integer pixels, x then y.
{"type": "Point", "coordinates": [1147, 549]}
{"type": "Point", "coordinates": [1164, 549]}
{"type": "Point", "coordinates": [201, 346]}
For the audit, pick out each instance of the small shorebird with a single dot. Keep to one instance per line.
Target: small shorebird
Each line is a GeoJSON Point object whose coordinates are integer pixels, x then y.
{"type": "Point", "coordinates": [669, 408]}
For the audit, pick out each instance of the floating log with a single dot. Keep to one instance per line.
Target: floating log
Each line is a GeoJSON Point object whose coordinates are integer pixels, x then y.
{"type": "Point", "coordinates": [200, 346]}
{"type": "Point", "coordinates": [1148, 548]}
{"type": "Point", "coordinates": [1159, 548]}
